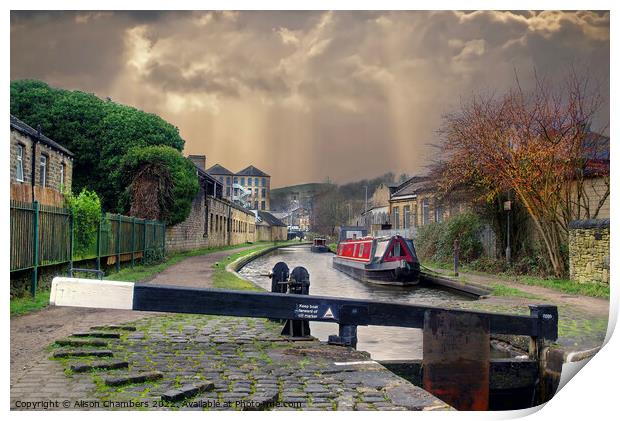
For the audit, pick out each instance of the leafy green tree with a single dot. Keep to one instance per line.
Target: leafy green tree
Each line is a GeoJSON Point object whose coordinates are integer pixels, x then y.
{"type": "Point", "coordinates": [161, 183]}
{"type": "Point", "coordinates": [99, 132]}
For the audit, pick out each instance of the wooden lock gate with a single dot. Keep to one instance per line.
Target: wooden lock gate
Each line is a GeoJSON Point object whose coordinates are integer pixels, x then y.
{"type": "Point", "coordinates": [456, 343]}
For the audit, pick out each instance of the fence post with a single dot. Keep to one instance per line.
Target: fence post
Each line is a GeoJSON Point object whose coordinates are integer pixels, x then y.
{"type": "Point", "coordinates": [144, 241]}
{"type": "Point", "coordinates": [35, 251]}
{"type": "Point", "coordinates": [71, 239]}
{"type": "Point", "coordinates": [133, 238]}
{"type": "Point", "coordinates": [118, 243]}
{"type": "Point", "coordinates": [99, 241]}
{"type": "Point", "coordinates": [163, 240]}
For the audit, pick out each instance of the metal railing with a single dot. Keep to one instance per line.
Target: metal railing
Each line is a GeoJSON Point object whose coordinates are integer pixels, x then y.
{"type": "Point", "coordinates": [43, 235]}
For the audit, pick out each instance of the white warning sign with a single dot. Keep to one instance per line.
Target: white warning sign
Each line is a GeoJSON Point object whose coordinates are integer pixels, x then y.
{"type": "Point", "coordinates": [328, 314]}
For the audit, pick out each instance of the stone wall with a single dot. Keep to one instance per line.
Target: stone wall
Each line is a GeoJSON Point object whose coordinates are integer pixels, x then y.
{"type": "Point", "coordinates": [211, 223]}
{"type": "Point", "coordinates": [588, 248]}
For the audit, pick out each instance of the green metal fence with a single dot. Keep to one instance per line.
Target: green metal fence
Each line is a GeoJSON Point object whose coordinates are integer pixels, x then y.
{"type": "Point", "coordinates": [45, 235]}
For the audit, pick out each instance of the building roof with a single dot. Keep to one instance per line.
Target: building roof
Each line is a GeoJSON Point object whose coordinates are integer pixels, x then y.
{"type": "Point", "coordinates": [413, 186]}
{"type": "Point", "coordinates": [22, 127]}
{"type": "Point", "coordinates": [206, 175]}
{"type": "Point", "coordinates": [217, 169]}
{"type": "Point", "coordinates": [252, 171]}
{"type": "Point", "coordinates": [270, 219]}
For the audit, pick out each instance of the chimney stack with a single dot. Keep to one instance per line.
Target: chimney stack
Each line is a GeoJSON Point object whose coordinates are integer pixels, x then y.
{"type": "Point", "coordinates": [199, 160]}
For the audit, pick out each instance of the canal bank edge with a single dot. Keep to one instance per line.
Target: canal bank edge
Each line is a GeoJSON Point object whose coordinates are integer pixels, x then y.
{"type": "Point", "coordinates": [236, 265]}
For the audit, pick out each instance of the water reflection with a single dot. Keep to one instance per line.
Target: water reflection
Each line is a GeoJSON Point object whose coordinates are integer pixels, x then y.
{"type": "Point", "coordinates": [383, 343]}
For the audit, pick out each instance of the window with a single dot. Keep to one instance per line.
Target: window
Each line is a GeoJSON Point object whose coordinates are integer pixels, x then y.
{"type": "Point", "coordinates": [256, 181]}
{"type": "Point", "coordinates": [264, 192]}
{"type": "Point", "coordinates": [438, 213]}
{"type": "Point", "coordinates": [43, 170]}
{"type": "Point", "coordinates": [264, 182]}
{"type": "Point", "coordinates": [249, 181]}
{"type": "Point", "coordinates": [361, 252]}
{"type": "Point", "coordinates": [256, 204]}
{"type": "Point", "coordinates": [227, 191]}
{"type": "Point", "coordinates": [425, 211]}
{"type": "Point", "coordinates": [396, 249]}
{"type": "Point", "coordinates": [236, 180]}
{"type": "Point", "coordinates": [62, 176]}
{"type": "Point", "coordinates": [262, 205]}
{"type": "Point", "coordinates": [406, 216]}
{"type": "Point", "coordinates": [228, 181]}
{"type": "Point", "coordinates": [256, 192]}
{"type": "Point", "coordinates": [396, 218]}
{"type": "Point", "coordinates": [19, 165]}
{"type": "Point", "coordinates": [242, 181]}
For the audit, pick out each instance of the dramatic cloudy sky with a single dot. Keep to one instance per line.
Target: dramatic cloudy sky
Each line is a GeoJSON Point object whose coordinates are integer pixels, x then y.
{"type": "Point", "coordinates": [304, 95]}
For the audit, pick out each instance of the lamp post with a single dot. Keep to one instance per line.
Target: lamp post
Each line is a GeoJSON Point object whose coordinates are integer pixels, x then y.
{"type": "Point", "coordinates": [508, 208]}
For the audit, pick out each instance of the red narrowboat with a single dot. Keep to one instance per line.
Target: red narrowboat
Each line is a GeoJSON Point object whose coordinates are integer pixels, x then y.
{"type": "Point", "coordinates": [385, 260]}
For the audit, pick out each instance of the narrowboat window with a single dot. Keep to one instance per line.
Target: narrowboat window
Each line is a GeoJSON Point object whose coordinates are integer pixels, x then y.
{"type": "Point", "coordinates": [396, 249]}
{"type": "Point", "coordinates": [361, 250]}
{"type": "Point", "coordinates": [381, 246]}
{"type": "Point", "coordinates": [354, 250]}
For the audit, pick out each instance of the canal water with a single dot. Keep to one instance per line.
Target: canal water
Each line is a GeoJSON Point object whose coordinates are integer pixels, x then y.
{"type": "Point", "coordinates": [383, 343]}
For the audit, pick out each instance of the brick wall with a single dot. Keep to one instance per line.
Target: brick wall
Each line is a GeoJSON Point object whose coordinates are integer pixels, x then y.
{"type": "Point", "coordinates": [211, 223]}
{"type": "Point", "coordinates": [588, 248]}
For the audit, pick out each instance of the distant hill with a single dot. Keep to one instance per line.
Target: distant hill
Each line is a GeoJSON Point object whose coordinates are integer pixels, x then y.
{"type": "Point", "coordinates": [349, 192]}
{"type": "Point", "coordinates": [281, 197]}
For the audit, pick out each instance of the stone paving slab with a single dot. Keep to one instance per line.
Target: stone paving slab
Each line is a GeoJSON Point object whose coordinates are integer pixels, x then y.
{"type": "Point", "coordinates": [261, 372]}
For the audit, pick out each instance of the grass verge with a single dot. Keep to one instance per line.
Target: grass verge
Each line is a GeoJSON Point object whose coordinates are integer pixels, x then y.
{"type": "Point", "coordinates": [226, 280]}
{"type": "Point", "coordinates": [506, 291]}
{"type": "Point", "coordinates": [564, 285]}
{"type": "Point", "coordinates": [24, 305]}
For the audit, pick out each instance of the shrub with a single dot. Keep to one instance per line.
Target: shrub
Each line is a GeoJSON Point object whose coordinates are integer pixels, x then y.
{"type": "Point", "coordinates": [160, 183]}
{"type": "Point", "coordinates": [86, 211]}
{"type": "Point", "coordinates": [436, 241]}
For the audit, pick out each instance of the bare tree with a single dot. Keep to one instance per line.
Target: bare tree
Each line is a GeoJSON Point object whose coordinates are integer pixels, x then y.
{"type": "Point", "coordinates": [535, 143]}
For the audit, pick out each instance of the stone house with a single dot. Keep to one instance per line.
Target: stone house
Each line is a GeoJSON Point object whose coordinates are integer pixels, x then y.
{"type": "Point", "coordinates": [249, 187]}
{"type": "Point", "coordinates": [41, 169]}
{"type": "Point", "coordinates": [419, 201]}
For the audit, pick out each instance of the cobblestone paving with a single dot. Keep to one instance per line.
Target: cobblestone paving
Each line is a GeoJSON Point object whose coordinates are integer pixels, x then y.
{"type": "Point", "coordinates": [215, 363]}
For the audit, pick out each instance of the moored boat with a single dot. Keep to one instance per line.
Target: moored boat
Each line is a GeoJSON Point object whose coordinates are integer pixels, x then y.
{"type": "Point", "coordinates": [384, 260]}
{"type": "Point", "coordinates": [319, 245]}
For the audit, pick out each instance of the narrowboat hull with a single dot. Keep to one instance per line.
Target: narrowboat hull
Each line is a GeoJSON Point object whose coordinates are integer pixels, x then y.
{"type": "Point", "coordinates": [319, 249]}
{"type": "Point", "coordinates": [387, 273]}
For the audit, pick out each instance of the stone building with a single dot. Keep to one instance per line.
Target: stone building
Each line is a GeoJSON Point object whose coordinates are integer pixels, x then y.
{"type": "Point", "coordinates": [214, 221]}
{"type": "Point", "coordinates": [377, 216]}
{"type": "Point", "coordinates": [41, 169]}
{"type": "Point", "coordinates": [419, 201]}
{"type": "Point", "coordinates": [269, 228]}
{"type": "Point", "coordinates": [249, 187]}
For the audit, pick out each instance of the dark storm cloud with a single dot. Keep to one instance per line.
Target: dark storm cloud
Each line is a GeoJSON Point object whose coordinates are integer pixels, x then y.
{"type": "Point", "coordinates": [343, 90]}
